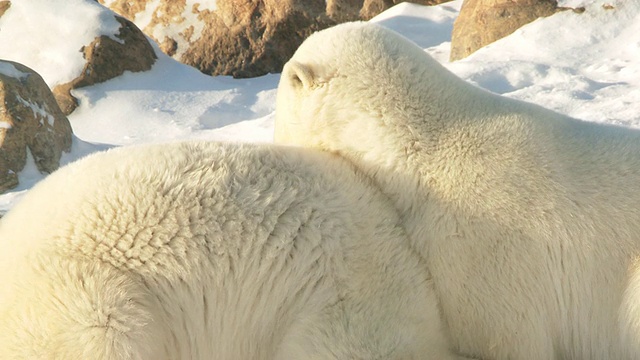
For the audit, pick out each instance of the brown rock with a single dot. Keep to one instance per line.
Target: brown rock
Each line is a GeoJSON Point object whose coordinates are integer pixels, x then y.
{"type": "Point", "coordinates": [245, 38]}
{"type": "Point", "coordinates": [4, 6]}
{"type": "Point", "coordinates": [29, 118]}
{"type": "Point", "coordinates": [242, 38]}
{"type": "Point", "coordinates": [126, 8]}
{"type": "Point", "coordinates": [108, 58]}
{"type": "Point", "coordinates": [169, 46]}
{"type": "Point", "coordinates": [371, 8]}
{"type": "Point", "coordinates": [344, 10]}
{"type": "Point", "coordinates": [482, 22]}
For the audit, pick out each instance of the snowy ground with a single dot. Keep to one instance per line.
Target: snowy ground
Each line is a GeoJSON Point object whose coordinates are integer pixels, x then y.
{"type": "Point", "coordinates": [585, 65]}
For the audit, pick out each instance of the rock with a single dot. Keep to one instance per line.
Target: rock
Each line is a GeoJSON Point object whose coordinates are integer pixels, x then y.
{"type": "Point", "coordinates": [106, 59]}
{"type": "Point", "coordinates": [29, 119]}
{"type": "Point", "coordinates": [4, 6]}
{"type": "Point", "coordinates": [371, 8]}
{"type": "Point", "coordinates": [245, 38]}
{"type": "Point", "coordinates": [344, 10]}
{"type": "Point", "coordinates": [482, 22]}
{"type": "Point", "coordinates": [241, 38]}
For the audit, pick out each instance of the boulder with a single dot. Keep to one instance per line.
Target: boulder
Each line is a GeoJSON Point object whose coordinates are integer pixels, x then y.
{"type": "Point", "coordinates": [241, 38]}
{"type": "Point", "coordinates": [30, 118]}
{"type": "Point", "coordinates": [344, 10]}
{"type": "Point", "coordinates": [482, 22]}
{"type": "Point", "coordinates": [107, 58]}
{"type": "Point", "coordinates": [246, 38]}
{"type": "Point", "coordinates": [4, 6]}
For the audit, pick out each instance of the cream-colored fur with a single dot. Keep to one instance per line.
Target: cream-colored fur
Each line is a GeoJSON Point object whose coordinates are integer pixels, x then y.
{"type": "Point", "coordinates": [212, 251]}
{"type": "Point", "coordinates": [529, 220]}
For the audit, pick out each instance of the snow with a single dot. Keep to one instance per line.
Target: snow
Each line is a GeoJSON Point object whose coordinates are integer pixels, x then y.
{"type": "Point", "coordinates": [47, 35]}
{"type": "Point", "coordinates": [38, 111]}
{"type": "Point", "coordinates": [7, 69]}
{"type": "Point", "coordinates": [585, 65]}
{"type": "Point", "coordinates": [184, 31]}
{"type": "Point", "coordinates": [143, 18]}
{"type": "Point", "coordinates": [172, 101]}
{"type": "Point", "coordinates": [202, 4]}
{"type": "Point", "coordinates": [427, 26]}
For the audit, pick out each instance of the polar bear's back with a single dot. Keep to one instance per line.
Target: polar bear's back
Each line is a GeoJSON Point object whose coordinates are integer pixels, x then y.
{"type": "Point", "coordinates": [200, 241]}
{"type": "Point", "coordinates": [179, 188]}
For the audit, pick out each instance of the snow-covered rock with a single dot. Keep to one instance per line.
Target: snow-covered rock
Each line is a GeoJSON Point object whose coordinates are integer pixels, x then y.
{"type": "Point", "coordinates": [83, 43]}
{"type": "Point", "coordinates": [30, 122]}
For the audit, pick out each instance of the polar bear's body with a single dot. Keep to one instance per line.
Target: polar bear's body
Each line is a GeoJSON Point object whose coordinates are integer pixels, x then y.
{"type": "Point", "coordinates": [212, 251]}
{"type": "Point", "coordinates": [529, 220]}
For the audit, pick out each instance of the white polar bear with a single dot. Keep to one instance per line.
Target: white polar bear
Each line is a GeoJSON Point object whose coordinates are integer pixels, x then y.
{"type": "Point", "coordinates": [529, 220]}
{"type": "Point", "coordinates": [212, 251]}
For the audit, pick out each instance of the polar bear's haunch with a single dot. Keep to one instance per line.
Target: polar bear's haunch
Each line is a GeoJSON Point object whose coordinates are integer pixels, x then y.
{"type": "Point", "coordinates": [529, 220]}
{"type": "Point", "coordinates": [212, 251]}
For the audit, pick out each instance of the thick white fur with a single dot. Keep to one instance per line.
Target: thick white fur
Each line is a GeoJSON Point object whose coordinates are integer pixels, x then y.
{"type": "Point", "coordinates": [212, 251]}
{"type": "Point", "coordinates": [529, 220]}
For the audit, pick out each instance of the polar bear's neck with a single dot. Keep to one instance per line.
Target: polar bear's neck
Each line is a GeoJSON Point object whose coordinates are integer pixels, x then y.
{"type": "Point", "coordinates": [439, 159]}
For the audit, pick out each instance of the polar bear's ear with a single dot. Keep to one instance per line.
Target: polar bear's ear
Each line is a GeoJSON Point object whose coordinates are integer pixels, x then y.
{"type": "Point", "coordinates": [300, 75]}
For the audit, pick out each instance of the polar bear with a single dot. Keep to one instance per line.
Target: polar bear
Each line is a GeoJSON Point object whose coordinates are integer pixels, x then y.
{"type": "Point", "coordinates": [212, 251]}
{"type": "Point", "coordinates": [528, 220]}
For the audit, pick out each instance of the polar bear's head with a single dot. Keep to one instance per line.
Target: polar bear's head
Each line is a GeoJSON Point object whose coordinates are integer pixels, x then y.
{"type": "Point", "coordinates": [359, 90]}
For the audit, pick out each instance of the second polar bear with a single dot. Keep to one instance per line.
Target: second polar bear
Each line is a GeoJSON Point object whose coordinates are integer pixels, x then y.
{"type": "Point", "coordinates": [212, 251]}
{"type": "Point", "coordinates": [529, 220]}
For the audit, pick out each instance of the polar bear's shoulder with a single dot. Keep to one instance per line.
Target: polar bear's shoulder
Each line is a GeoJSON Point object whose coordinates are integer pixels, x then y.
{"type": "Point", "coordinates": [175, 181]}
